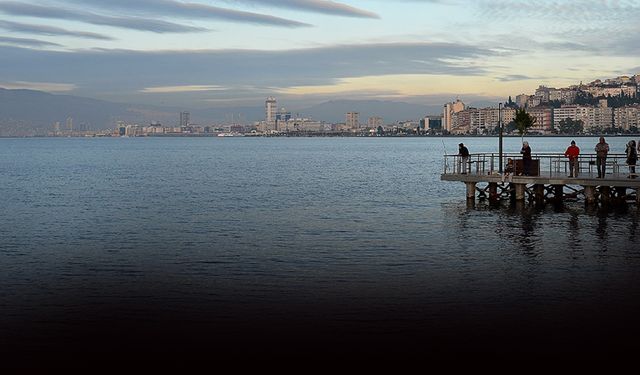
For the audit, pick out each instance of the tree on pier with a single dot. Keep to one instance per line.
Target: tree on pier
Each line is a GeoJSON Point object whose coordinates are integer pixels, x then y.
{"type": "Point", "coordinates": [523, 121]}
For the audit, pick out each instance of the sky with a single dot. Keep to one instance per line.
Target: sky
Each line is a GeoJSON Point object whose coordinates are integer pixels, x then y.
{"type": "Point", "coordinates": [208, 53]}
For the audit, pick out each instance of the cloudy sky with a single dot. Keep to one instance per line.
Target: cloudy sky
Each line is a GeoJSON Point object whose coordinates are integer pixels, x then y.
{"type": "Point", "coordinates": [213, 53]}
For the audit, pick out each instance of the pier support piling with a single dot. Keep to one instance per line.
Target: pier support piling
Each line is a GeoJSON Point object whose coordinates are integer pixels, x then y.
{"type": "Point", "coordinates": [621, 195]}
{"type": "Point", "coordinates": [493, 193]}
{"type": "Point", "coordinates": [519, 192]}
{"type": "Point", "coordinates": [590, 195]}
{"type": "Point", "coordinates": [539, 194]}
{"type": "Point", "coordinates": [471, 191]}
{"type": "Point", "coordinates": [605, 195]}
{"type": "Point", "coordinates": [558, 193]}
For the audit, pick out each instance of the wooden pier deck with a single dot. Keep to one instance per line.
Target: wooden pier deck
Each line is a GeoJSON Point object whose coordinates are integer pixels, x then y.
{"type": "Point", "coordinates": [549, 183]}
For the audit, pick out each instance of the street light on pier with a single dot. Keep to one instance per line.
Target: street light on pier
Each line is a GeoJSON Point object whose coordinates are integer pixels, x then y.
{"type": "Point", "coordinates": [500, 137]}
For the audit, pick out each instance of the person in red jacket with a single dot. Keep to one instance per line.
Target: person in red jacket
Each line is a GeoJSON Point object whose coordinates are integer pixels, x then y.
{"type": "Point", "coordinates": [572, 153]}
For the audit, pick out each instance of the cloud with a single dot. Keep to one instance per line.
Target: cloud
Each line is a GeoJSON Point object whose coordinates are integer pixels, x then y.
{"type": "Point", "coordinates": [26, 42]}
{"type": "Point", "coordinates": [181, 89]}
{"type": "Point", "coordinates": [135, 23]}
{"type": "Point", "coordinates": [41, 86]}
{"type": "Point", "coordinates": [124, 73]}
{"type": "Point", "coordinates": [574, 12]}
{"type": "Point", "coordinates": [318, 6]}
{"type": "Point", "coordinates": [514, 77]}
{"type": "Point", "coordinates": [173, 8]}
{"type": "Point", "coordinates": [49, 30]}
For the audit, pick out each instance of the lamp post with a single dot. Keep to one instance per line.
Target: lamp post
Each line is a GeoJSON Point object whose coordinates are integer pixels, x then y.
{"type": "Point", "coordinates": [500, 138]}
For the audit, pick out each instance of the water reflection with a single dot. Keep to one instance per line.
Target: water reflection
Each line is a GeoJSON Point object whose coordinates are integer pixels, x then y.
{"type": "Point", "coordinates": [534, 230]}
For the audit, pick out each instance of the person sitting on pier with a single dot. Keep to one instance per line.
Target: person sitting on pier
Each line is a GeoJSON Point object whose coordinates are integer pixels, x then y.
{"type": "Point", "coordinates": [508, 170]}
{"type": "Point", "coordinates": [526, 158]}
{"type": "Point", "coordinates": [632, 158]}
{"type": "Point", "coordinates": [602, 149]}
{"type": "Point", "coordinates": [572, 153]}
{"type": "Point", "coordinates": [463, 153]}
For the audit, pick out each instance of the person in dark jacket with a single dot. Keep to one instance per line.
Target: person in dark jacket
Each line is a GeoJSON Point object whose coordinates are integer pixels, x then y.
{"type": "Point", "coordinates": [526, 158]}
{"type": "Point", "coordinates": [632, 158]}
{"type": "Point", "coordinates": [602, 149]}
{"type": "Point", "coordinates": [463, 153]}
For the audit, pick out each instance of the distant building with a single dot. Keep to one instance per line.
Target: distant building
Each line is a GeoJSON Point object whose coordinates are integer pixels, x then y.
{"type": "Point", "coordinates": [521, 100]}
{"type": "Point", "coordinates": [353, 120]}
{"type": "Point", "coordinates": [374, 122]}
{"type": "Point", "coordinates": [449, 110]}
{"type": "Point", "coordinates": [271, 109]}
{"type": "Point", "coordinates": [591, 117]}
{"type": "Point", "coordinates": [544, 119]}
{"type": "Point", "coordinates": [283, 115]}
{"type": "Point", "coordinates": [121, 128]}
{"type": "Point", "coordinates": [431, 122]}
{"type": "Point", "coordinates": [627, 117]}
{"type": "Point", "coordinates": [70, 124]}
{"type": "Point", "coordinates": [184, 119]}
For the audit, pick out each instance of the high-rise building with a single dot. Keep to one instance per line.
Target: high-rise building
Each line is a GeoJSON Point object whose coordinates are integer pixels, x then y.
{"type": "Point", "coordinates": [353, 120]}
{"type": "Point", "coordinates": [283, 115]}
{"type": "Point", "coordinates": [449, 110]}
{"type": "Point", "coordinates": [70, 124]}
{"type": "Point", "coordinates": [184, 119]}
{"type": "Point", "coordinates": [374, 122]}
{"type": "Point", "coordinates": [271, 109]}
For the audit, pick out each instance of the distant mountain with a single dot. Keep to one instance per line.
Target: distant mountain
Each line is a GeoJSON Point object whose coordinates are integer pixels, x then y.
{"type": "Point", "coordinates": [30, 112]}
{"type": "Point", "coordinates": [334, 111]}
{"type": "Point", "coordinates": [36, 112]}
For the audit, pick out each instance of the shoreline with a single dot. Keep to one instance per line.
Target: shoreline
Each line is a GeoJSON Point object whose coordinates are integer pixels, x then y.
{"type": "Point", "coordinates": [326, 135]}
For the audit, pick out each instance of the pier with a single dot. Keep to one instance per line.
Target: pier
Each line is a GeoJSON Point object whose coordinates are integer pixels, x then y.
{"type": "Point", "coordinates": [547, 182]}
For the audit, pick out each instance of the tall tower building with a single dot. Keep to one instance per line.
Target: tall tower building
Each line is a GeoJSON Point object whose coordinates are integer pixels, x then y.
{"type": "Point", "coordinates": [271, 109]}
{"type": "Point", "coordinates": [449, 110]}
{"type": "Point", "coordinates": [184, 119]}
{"type": "Point", "coordinates": [70, 124]}
{"type": "Point", "coordinates": [353, 120]}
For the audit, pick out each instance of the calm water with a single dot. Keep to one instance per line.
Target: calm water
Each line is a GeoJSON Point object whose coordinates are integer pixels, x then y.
{"type": "Point", "coordinates": [342, 240]}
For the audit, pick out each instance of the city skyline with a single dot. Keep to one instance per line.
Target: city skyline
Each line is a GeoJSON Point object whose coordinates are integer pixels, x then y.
{"type": "Point", "coordinates": [202, 54]}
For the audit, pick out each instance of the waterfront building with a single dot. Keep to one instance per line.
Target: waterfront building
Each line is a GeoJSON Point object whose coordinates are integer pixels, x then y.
{"type": "Point", "coordinates": [591, 117]}
{"type": "Point", "coordinates": [449, 110]}
{"type": "Point", "coordinates": [302, 125]}
{"type": "Point", "coordinates": [544, 119]}
{"type": "Point", "coordinates": [353, 120]}
{"type": "Point", "coordinates": [70, 124]}
{"type": "Point", "coordinates": [184, 119]}
{"type": "Point", "coordinates": [432, 122]}
{"type": "Point", "coordinates": [56, 128]}
{"type": "Point", "coordinates": [283, 115]}
{"type": "Point", "coordinates": [464, 122]}
{"type": "Point", "coordinates": [271, 109]}
{"type": "Point", "coordinates": [374, 122]}
{"type": "Point", "coordinates": [626, 118]}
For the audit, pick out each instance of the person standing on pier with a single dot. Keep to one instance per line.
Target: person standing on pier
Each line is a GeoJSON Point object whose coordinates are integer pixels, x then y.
{"type": "Point", "coordinates": [602, 149]}
{"type": "Point", "coordinates": [526, 158]}
{"type": "Point", "coordinates": [463, 153]}
{"type": "Point", "coordinates": [572, 153]}
{"type": "Point", "coordinates": [632, 158]}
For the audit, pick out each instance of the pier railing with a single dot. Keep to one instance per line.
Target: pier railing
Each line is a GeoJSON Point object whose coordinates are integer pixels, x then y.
{"type": "Point", "coordinates": [544, 164]}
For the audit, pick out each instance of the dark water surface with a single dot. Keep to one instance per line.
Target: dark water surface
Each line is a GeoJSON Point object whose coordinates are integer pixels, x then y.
{"type": "Point", "coordinates": [257, 245]}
